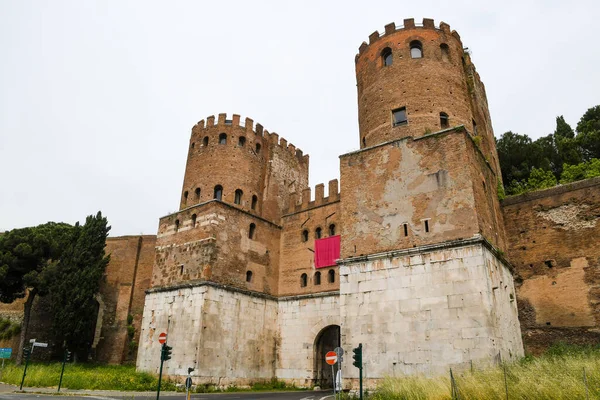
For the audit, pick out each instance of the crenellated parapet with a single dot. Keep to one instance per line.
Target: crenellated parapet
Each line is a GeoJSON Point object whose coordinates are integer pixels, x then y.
{"type": "Point", "coordinates": [303, 201]}
{"type": "Point", "coordinates": [409, 24]}
{"type": "Point", "coordinates": [250, 130]}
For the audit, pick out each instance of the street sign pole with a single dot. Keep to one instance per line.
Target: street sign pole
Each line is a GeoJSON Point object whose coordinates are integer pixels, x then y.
{"type": "Point", "coordinates": [27, 355]}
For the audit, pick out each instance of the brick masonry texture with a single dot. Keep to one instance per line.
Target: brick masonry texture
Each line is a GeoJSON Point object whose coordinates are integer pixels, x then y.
{"type": "Point", "coordinates": [553, 244]}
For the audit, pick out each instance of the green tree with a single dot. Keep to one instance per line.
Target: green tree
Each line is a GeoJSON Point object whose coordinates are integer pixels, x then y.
{"type": "Point", "coordinates": [74, 283]}
{"type": "Point", "coordinates": [588, 133]}
{"type": "Point", "coordinates": [584, 170]}
{"type": "Point", "coordinates": [540, 179]}
{"type": "Point", "coordinates": [514, 154]}
{"type": "Point", "coordinates": [26, 255]}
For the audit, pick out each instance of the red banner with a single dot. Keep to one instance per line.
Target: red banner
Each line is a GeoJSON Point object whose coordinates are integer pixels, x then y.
{"type": "Point", "coordinates": [327, 251]}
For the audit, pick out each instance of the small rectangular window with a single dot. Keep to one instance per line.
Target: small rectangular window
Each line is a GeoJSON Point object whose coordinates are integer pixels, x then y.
{"type": "Point", "coordinates": [426, 225]}
{"type": "Point", "coordinates": [405, 229]}
{"type": "Point", "coordinates": [399, 117]}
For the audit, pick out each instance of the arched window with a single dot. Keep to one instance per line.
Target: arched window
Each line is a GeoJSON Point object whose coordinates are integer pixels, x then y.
{"type": "Point", "coordinates": [241, 141]}
{"type": "Point", "coordinates": [318, 233]}
{"type": "Point", "coordinates": [257, 148]}
{"type": "Point", "coordinates": [303, 280]}
{"type": "Point", "coordinates": [305, 235]}
{"type": "Point", "coordinates": [194, 220]}
{"type": "Point", "coordinates": [223, 138]}
{"type": "Point", "coordinates": [185, 196]}
{"type": "Point", "coordinates": [205, 141]}
{"type": "Point", "coordinates": [444, 121]}
{"type": "Point", "coordinates": [331, 276]}
{"type": "Point", "coordinates": [238, 196]}
{"type": "Point", "coordinates": [386, 57]}
{"type": "Point", "coordinates": [332, 230]}
{"type": "Point", "coordinates": [218, 192]}
{"type": "Point", "coordinates": [317, 278]}
{"type": "Point", "coordinates": [254, 201]}
{"type": "Point", "coordinates": [193, 145]}
{"type": "Point", "coordinates": [416, 49]}
{"type": "Point", "coordinates": [248, 276]}
{"type": "Point", "coordinates": [474, 128]}
{"type": "Point", "coordinates": [197, 192]}
{"type": "Point", "coordinates": [176, 225]}
{"type": "Point", "coordinates": [445, 52]}
{"type": "Point", "coordinates": [251, 231]}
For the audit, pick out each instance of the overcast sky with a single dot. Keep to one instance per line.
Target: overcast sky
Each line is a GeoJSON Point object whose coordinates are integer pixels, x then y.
{"type": "Point", "coordinates": [97, 98]}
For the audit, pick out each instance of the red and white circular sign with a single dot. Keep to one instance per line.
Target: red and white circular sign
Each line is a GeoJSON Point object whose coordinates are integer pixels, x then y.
{"type": "Point", "coordinates": [162, 338]}
{"type": "Point", "coordinates": [331, 357]}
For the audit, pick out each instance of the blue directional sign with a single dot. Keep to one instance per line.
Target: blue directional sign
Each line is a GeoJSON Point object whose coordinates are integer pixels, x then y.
{"type": "Point", "coordinates": [5, 352]}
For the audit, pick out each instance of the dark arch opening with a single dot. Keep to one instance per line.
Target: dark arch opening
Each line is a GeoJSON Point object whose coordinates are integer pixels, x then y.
{"type": "Point", "coordinates": [254, 201]}
{"type": "Point", "coordinates": [332, 230]}
{"type": "Point", "coordinates": [242, 141]}
{"type": "Point", "coordinates": [318, 233]}
{"type": "Point", "coordinates": [194, 220]}
{"type": "Point", "coordinates": [444, 121]}
{"type": "Point", "coordinates": [416, 49]}
{"type": "Point", "coordinates": [386, 57]}
{"type": "Point", "coordinates": [317, 279]}
{"type": "Point", "coordinates": [176, 225]}
{"type": "Point", "coordinates": [205, 141]}
{"type": "Point", "coordinates": [197, 192]}
{"type": "Point", "coordinates": [238, 196]}
{"type": "Point", "coordinates": [445, 52]}
{"type": "Point", "coordinates": [331, 276]}
{"type": "Point", "coordinates": [327, 340]}
{"type": "Point", "coordinates": [251, 231]}
{"type": "Point", "coordinates": [185, 197]}
{"type": "Point", "coordinates": [257, 148]}
{"type": "Point", "coordinates": [218, 192]}
{"type": "Point", "coordinates": [305, 235]}
{"type": "Point", "coordinates": [303, 280]}
{"type": "Point", "coordinates": [248, 276]}
{"type": "Point", "coordinates": [223, 138]}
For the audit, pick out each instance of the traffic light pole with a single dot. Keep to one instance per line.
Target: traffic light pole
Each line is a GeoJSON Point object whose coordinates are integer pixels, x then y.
{"type": "Point", "coordinates": [65, 357]}
{"type": "Point", "coordinates": [28, 354]}
{"type": "Point", "coordinates": [162, 357]}
{"type": "Point", "coordinates": [358, 363]}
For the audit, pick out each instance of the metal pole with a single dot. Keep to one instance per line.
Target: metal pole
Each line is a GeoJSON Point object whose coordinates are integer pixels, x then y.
{"type": "Point", "coordinates": [361, 378]}
{"type": "Point", "coordinates": [587, 394]}
{"type": "Point", "coordinates": [505, 382]}
{"type": "Point", "coordinates": [25, 370]}
{"type": "Point", "coordinates": [62, 371]}
{"type": "Point", "coordinates": [333, 380]}
{"type": "Point", "coordinates": [160, 373]}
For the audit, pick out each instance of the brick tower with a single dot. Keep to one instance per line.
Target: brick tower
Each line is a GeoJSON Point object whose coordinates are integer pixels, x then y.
{"type": "Point", "coordinates": [422, 234]}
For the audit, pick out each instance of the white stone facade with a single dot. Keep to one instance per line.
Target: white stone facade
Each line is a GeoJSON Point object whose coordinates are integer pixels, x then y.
{"type": "Point", "coordinates": [424, 311]}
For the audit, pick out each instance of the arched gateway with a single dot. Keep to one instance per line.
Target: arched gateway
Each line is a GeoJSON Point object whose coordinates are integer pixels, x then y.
{"type": "Point", "coordinates": [327, 340]}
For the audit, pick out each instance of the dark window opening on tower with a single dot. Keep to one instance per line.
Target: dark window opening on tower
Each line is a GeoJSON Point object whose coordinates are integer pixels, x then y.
{"type": "Point", "coordinates": [185, 196]}
{"type": "Point", "coordinates": [444, 121]}
{"type": "Point", "coordinates": [176, 225]}
{"type": "Point", "coordinates": [399, 116]}
{"type": "Point", "coordinates": [238, 196]}
{"type": "Point", "coordinates": [181, 269]}
{"type": "Point", "coordinates": [257, 148]}
{"type": "Point", "coordinates": [305, 235]}
{"type": "Point", "coordinates": [303, 280]}
{"type": "Point", "coordinates": [254, 201]}
{"type": "Point", "coordinates": [251, 231]}
{"type": "Point", "coordinates": [474, 128]}
{"type": "Point", "coordinates": [218, 192]}
{"type": "Point", "coordinates": [364, 142]}
{"type": "Point", "coordinates": [405, 229]}
{"type": "Point", "coordinates": [331, 276]}
{"type": "Point", "coordinates": [318, 233]}
{"type": "Point", "coordinates": [223, 138]}
{"type": "Point", "coordinates": [248, 276]}
{"type": "Point", "coordinates": [193, 145]}
{"type": "Point", "coordinates": [445, 51]}
{"type": "Point", "coordinates": [426, 223]}
{"type": "Point", "coordinates": [197, 192]}
{"type": "Point", "coordinates": [205, 141]}
{"type": "Point", "coordinates": [332, 230]}
{"type": "Point", "coordinates": [194, 220]}
{"type": "Point", "coordinates": [386, 56]}
{"type": "Point", "coordinates": [317, 278]}
{"type": "Point", "coordinates": [242, 141]}
{"type": "Point", "coordinates": [416, 49]}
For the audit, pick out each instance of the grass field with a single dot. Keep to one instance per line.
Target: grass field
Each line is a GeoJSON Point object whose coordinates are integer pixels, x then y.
{"type": "Point", "coordinates": [83, 376]}
{"type": "Point", "coordinates": [556, 375]}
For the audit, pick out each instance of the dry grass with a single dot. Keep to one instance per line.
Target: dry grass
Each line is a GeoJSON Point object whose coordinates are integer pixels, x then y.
{"type": "Point", "coordinates": [556, 375]}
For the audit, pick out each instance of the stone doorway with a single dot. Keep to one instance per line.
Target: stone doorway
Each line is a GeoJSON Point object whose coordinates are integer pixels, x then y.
{"type": "Point", "coordinates": [327, 340]}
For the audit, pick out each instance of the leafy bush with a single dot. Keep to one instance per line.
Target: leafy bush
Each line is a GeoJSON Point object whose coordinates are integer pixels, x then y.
{"type": "Point", "coordinates": [584, 170]}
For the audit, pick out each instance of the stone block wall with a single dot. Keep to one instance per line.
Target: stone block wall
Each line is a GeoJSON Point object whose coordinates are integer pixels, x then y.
{"type": "Point", "coordinates": [228, 336]}
{"type": "Point", "coordinates": [427, 309]}
{"type": "Point", "coordinates": [301, 319]}
{"type": "Point", "coordinates": [553, 236]}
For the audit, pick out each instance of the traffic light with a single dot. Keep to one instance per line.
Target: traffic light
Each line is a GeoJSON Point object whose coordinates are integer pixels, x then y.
{"type": "Point", "coordinates": [357, 357]}
{"type": "Point", "coordinates": [166, 352]}
{"type": "Point", "coordinates": [68, 356]}
{"type": "Point", "coordinates": [26, 352]}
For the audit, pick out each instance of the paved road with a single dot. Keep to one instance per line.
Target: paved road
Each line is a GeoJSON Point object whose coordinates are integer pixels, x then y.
{"type": "Point", "coordinates": [7, 394]}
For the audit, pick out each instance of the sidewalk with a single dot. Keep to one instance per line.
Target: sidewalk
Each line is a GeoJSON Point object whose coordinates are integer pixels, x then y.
{"type": "Point", "coordinates": [7, 388]}
{"type": "Point", "coordinates": [102, 393]}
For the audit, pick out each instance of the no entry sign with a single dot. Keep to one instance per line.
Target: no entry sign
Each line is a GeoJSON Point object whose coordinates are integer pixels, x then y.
{"type": "Point", "coordinates": [331, 357]}
{"type": "Point", "coordinates": [162, 338]}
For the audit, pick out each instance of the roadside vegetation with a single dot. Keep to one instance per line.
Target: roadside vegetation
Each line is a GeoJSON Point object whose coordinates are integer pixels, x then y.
{"type": "Point", "coordinates": [558, 374]}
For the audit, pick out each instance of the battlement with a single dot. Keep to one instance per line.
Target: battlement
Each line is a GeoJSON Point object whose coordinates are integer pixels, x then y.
{"type": "Point", "coordinates": [250, 127]}
{"type": "Point", "coordinates": [409, 23]}
{"type": "Point", "coordinates": [303, 201]}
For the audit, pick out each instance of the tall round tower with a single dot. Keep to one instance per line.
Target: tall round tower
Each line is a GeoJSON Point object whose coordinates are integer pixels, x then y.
{"type": "Point", "coordinates": [417, 79]}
